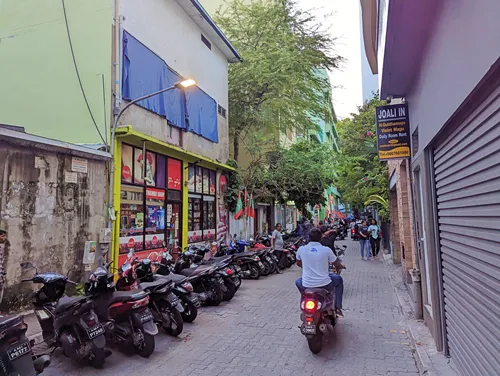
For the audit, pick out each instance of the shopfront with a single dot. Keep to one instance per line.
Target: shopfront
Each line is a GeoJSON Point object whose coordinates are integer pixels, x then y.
{"type": "Point", "coordinates": [150, 202]}
{"type": "Point", "coordinates": [165, 195]}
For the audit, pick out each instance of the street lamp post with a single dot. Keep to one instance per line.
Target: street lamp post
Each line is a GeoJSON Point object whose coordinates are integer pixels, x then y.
{"type": "Point", "coordinates": [178, 85]}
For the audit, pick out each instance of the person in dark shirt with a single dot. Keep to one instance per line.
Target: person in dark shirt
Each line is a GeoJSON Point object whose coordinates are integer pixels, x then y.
{"type": "Point", "coordinates": [364, 241]}
{"type": "Point", "coordinates": [328, 238]}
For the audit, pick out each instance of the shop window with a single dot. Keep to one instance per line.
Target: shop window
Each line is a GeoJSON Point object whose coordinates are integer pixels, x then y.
{"type": "Point", "coordinates": [199, 179]}
{"type": "Point", "coordinates": [155, 221]}
{"type": "Point", "coordinates": [144, 168]}
{"type": "Point", "coordinates": [173, 224]}
{"type": "Point", "coordinates": [191, 179]}
{"type": "Point", "coordinates": [208, 218]}
{"type": "Point", "coordinates": [131, 219]}
{"type": "Point", "coordinates": [174, 172]}
{"type": "Point", "coordinates": [194, 219]}
{"type": "Point", "coordinates": [206, 181]}
{"type": "Point", "coordinates": [161, 168]}
{"type": "Point", "coordinates": [127, 162]}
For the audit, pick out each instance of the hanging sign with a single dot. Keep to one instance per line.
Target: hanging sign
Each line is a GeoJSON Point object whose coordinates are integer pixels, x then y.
{"type": "Point", "coordinates": [155, 194]}
{"type": "Point", "coordinates": [393, 132]}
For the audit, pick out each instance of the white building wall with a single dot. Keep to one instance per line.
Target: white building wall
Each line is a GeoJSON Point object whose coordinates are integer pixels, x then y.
{"type": "Point", "coordinates": [166, 29]}
{"type": "Point", "coordinates": [464, 44]}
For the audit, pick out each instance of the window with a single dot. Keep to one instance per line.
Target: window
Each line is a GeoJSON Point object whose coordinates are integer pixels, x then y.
{"type": "Point", "coordinates": [202, 204]}
{"type": "Point", "coordinates": [414, 141]}
{"type": "Point", "coordinates": [221, 110]}
{"type": "Point", "coordinates": [151, 200]}
{"type": "Point", "coordinates": [206, 42]}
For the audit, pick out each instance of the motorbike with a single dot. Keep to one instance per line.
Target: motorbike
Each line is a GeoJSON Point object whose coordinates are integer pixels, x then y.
{"type": "Point", "coordinates": [194, 256]}
{"type": "Point", "coordinates": [318, 314]}
{"type": "Point", "coordinates": [128, 320]}
{"type": "Point", "coordinates": [209, 288]}
{"type": "Point", "coordinates": [163, 303]}
{"type": "Point", "coordinates": [16, 356]}
{"type": "Point", "coordinates": [69, 323]}
{"type": "Point", "coordinates": [183, 289]}
{"type": "Point", "coordinates": [354, 234]}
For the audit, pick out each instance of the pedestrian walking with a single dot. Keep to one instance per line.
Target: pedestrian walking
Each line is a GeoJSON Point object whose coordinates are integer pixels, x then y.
{"type": "Point", "coordinates": [364, 240]}
{"type": "Point", "coordinates": [375, 236]}
{"type": "Point", "coordinates": [278, 245]}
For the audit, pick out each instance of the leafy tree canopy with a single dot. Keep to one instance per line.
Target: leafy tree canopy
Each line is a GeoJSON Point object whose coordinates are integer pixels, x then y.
{"type": "Point", "coordinates": [360, 173]}
{"type": "Point", "coordinates": [301, 174]}
{"type": "Point", "coordinates": [275, 89]}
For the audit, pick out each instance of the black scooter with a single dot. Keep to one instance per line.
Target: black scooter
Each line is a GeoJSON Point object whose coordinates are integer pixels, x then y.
{"type": "Point", "coordinates": [16, 356]}
{"type": "Point", "coordinates": [69, 323]}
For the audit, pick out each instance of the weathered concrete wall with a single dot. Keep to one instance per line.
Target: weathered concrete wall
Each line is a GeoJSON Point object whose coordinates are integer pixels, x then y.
{"type": "Point", "coordinates": [47, 219]}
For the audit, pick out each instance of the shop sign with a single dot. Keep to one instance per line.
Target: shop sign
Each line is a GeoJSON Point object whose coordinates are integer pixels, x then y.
{"type": "Point", "coordinates": [79, 165]}
{"type": "Point", "coordinates": [393, 132]}
{"type": "Point", "coordinates": [155, 194]}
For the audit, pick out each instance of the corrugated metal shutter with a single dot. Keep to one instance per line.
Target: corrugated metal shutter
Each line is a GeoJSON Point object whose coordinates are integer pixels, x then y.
{"type": "Point", "coordinates": [467, 175]}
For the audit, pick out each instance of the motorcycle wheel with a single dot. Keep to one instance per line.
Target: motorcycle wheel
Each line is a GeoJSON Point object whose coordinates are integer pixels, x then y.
{"type": "Point", "coordinates": [97, 358]}
{"type": "Point", "coordinates": [217, 292]}
{"type": "Point", "coordinates": [190, 311]}
{"type": "Point", "coordinates": [316, 343]}
{"type": "Point", "coordinates": [147, 347]}
{"type": "Point", "coordinates": [274, 267]}
{"type": "Point", "coordinates": [255, 271]}
{"type": "Point", "coordinates": [231, 290]}
{"type": "Point", "coordinates": [171, 321]}
{"type": "Point", "coordinates": [237, 286]}
{"type": "Point", "coordinates": [288, 262]}
{"type": "Point", "coordinates": [267, 268]}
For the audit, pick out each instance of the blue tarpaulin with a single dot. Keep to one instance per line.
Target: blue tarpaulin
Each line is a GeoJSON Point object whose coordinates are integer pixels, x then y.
{"type": "Point", "coordinates": [202, 114]}
{"type": "Point", "coordinates": [144, 72]}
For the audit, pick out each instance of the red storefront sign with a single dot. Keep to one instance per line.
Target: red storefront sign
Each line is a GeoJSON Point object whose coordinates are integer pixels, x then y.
{"type": "Point", "coordinates": [174, 170]}
{"type": "Point", "coordinates": [155, 194]}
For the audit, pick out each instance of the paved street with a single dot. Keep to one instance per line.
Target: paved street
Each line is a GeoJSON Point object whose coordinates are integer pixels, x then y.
{"type": "Point", "coordinates": [256, 334]}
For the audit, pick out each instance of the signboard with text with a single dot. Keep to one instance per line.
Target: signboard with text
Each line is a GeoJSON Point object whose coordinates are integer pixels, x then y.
{"type": "Point", "coordinates": [393, 132]}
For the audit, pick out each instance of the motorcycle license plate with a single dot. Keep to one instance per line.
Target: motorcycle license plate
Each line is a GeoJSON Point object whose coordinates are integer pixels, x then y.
{"type": "Point", "coordinates": [19, 350]}
{"type": "Point", "coordinates": [261, 265]}
{"type": "Point", "coordinates": [174, 300]}
{"type": "Point", "coordinates": [146, 316]}
{"type": "Point", "coordinates": [95, 331]}
{"type": "Point", "coordinates": [308, 329]}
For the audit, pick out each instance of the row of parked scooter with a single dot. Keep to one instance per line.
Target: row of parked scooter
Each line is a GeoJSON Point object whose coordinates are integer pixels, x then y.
{"type": "Point", "coordinates": [149, 293]}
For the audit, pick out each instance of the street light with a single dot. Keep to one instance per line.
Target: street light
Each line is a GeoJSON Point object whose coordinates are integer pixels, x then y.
{"type": "Point", "coordinates": [178, 85]}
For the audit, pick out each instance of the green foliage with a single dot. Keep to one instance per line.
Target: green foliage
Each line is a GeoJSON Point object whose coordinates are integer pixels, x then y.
{"type": "Point", "coordinates": [275, 88]}
{"type": "Point", "coordinates": [233, 185]}
{"type": "Point", "coordinates": [360, 173]}
{"type": "Point", "coordinates": [381, 203]}
{"type": "Point", "coordinates": [301, 174]}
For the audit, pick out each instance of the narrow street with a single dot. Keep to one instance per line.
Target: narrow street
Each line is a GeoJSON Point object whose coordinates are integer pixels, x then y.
{"type": "Point", "coordinates": [256, 334]}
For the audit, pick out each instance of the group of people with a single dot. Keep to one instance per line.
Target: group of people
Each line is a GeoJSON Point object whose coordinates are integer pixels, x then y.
{"type": "Point", "coordinates": [369, 239]}
{"type": "Point", "coordinates": [315, 257]}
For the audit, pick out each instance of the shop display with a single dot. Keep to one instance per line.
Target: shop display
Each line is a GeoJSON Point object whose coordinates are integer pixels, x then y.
{"type": "Point", "coordinates": [127, 160]}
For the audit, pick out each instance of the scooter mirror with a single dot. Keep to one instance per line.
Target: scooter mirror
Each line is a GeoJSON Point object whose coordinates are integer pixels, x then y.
{"type": "Point", "coordinates": [26, 265]}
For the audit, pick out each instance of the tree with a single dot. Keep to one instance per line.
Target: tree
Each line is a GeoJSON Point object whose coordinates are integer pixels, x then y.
{"type": "Point", "coordinates": [360, 173]}
{"type": "Point", "coordinates": [301, 174]}
{"type": "Point", "coordinates": [275, 89]}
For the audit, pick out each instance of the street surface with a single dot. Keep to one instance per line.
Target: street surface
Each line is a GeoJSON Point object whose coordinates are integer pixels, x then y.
{"type": "Point", "coordinates": [256, 334]}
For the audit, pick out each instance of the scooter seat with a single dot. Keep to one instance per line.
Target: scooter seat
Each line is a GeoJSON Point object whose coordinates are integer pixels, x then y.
{"type": "Point", "coordinates": [176, 278]}
{"type": "Point", "coordinates": [159, 283]}
{"type": "Point", "coordinates": [125, 296]}
{"type": "Point", "coordinates": [66, 302]}
{"type": "Point", "coordinates": [245, 254]}
{"type": "Point", "coordinates": [216, 260]}
{"type": "Point", "coordinates": [317, 291]}
{"type": "Point", "coordinates": [10, 321]}
{"type": "Point", "coordinates": [191, 272]}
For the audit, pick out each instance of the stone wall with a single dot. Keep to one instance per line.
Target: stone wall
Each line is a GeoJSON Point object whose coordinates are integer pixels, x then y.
{"type": "Point", "coordinates": [48, 219]}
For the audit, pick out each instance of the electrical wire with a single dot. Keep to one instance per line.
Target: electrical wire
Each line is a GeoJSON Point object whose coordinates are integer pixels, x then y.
{"type": "Point", "coordinates": [78, 72]}
{"type": "Point", "coordinates": [105, 115]}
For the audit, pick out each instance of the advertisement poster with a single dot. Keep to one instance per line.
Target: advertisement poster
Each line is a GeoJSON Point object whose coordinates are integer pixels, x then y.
{"type": "Point", "coordinates": [191, 179]}
{"type": "Point", "coordinates": [127, 160]}
{"type": "Point", "coordinates": [393, 132]}
{"type": "Point", "coordinates": [212, 182]}
{"type": "Point", "coordinates": [223, 218]}
{"type": "Point", "coordinates": [89, 252]}
{"type": "Point", "coordinates": [174, 170]}
{"type": "Point", "coordinates": [206, 182]}
{"type": "Point", "coordinates": [199, 179]}
{"type": "Point", "coordinates": [156, 218]}
{"type": "Point", "coordinates": [149, 166]}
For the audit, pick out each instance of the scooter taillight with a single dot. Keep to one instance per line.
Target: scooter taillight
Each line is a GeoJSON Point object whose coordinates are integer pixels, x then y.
{"type": "Point", "coordinates": [187, 286]}
{"type": "Point", "coordinates": [310, 305]}
{"type": "Point", "coordinates": [141, 303]}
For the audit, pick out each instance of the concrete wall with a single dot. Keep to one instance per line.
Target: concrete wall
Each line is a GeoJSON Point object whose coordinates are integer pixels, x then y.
{"type": "Point", "coordinates": [39, 86]}
{"type": "Point", "coordinates": [463, 46]}
{"type": "Point", "coordinates": [47, 219]}
{"type": "Point", "coordinates": [166, 29]}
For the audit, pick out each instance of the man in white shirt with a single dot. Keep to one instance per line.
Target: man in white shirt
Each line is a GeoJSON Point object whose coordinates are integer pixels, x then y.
{"type": "Point", "coordinates": [314, 259]}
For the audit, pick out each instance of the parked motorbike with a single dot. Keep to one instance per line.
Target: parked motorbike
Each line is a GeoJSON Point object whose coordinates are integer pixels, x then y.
{"type": "Point", "coordinates": [163, 303]}
{"type": "Point", "coordinates": [183, 289]}
{"type": "Point", "coordinates": [69, 323]}
{"type": "Point", "coordinates": [128, 320]}
{"type": "Point", "coordinates": [16, 356]}
{"type": "Point", "coordinates": [209, 288]}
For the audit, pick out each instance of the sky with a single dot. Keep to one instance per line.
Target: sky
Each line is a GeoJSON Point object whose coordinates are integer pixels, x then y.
{"type": "Point", "coordinates": [344, 24]}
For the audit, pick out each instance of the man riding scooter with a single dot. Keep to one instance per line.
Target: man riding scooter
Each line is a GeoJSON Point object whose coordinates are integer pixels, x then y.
{"type": "Point", "coordinates": [314, 259]}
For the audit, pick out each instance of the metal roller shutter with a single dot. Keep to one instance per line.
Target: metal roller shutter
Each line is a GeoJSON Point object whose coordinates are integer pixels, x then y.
{"type": "Point", "coordinates": [467, 176]}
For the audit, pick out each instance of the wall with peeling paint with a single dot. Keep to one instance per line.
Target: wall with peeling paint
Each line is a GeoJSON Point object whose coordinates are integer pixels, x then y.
{"type": "Point", "coordinates": [48, 220]}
